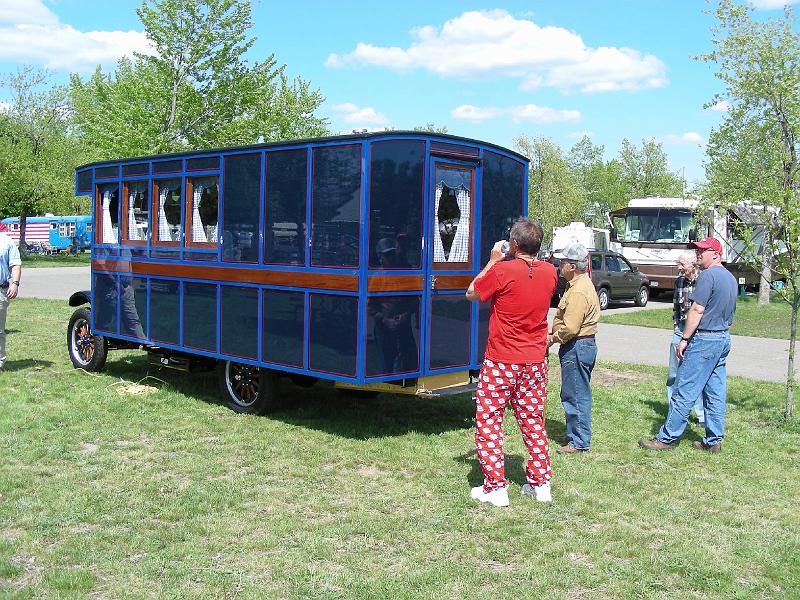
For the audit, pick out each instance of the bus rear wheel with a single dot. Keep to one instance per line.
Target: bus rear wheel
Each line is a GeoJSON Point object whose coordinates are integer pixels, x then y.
{"type": "Point", "coordinates": [86, 350]}
{"type": "Point", "coordinates": [247, 388]}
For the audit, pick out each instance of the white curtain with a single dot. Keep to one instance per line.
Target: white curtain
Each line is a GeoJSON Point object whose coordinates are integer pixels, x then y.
{"type": "Point", "coordinates": [133, 228]}
{"type": "Point", "coordinates": [109, 236]}
{"type": "Point", "coordinates": [164, 233]}
{"type": "Point", "coordinates": [459, 251]}
{"type": "Point", "coordinates": [438, 248]}
{"type": "Point", "coordinates": [214, 234]}
{"type": "Point", "coordinates": [198, 232]}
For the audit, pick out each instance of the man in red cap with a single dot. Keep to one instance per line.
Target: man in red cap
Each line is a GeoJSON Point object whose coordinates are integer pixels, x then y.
{"type": "Point", "coordinates": [702, 353]}
{"type": "Point", "coordinates": [10, 272]}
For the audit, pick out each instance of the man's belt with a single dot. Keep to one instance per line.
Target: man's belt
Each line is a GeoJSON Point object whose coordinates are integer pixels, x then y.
{"type": "Point", "coordinates": [584, 337]}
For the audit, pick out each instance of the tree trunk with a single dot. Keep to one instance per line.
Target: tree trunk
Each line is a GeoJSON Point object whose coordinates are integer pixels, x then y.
{"type": "Point", "coordinates": [790, 380]}
{"type": "Point", "coordinates": [23, 222]}
{"type": "Point", "coordinates": [765, 279]}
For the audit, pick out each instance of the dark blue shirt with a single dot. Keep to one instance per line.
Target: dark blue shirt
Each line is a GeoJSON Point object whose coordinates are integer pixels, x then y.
{"type": "Point", "coordinates": [715, 290]}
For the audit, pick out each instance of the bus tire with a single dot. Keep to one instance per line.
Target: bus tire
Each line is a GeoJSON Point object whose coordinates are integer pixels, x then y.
{"type": "Point", "coordinates": [246, 388]}
{"type": "Point", "coordinates": [603, 298]}
{"type": "Point", "coordinates": [87, 351]}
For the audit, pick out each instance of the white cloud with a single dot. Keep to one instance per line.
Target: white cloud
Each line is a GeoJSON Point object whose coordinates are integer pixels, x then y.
{"type": "Point", "coordinates": [722, 106]}
{"type": "Point", "coordinates": [771, 4]}
{"type": "Point", "coordinates": [690, 138]}
{"type": "Point", "coordinates": [366, 118]}
{"type": "Point", "coordinates": [5, 107]}
{"type": "Point", "coordinates": [467, 112]}
{"type": "Point", "coordinates": [30, 32]}
{"type": "Point", "coordinates": [485, 44]}
{"type": "Point", "coordinates": [528, 112]}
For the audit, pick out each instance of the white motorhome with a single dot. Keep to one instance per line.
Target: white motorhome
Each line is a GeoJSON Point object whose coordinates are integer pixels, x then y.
{"type": "Point", "coordinates": [592, 238]}
{"type": "Point", "coordinates": [657, 230]}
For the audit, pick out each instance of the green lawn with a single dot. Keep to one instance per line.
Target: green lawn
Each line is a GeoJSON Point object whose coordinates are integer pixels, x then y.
{"type": "Point", "coordinates": [171, 495]}
{"type": "Point", "coordinates": [770, 321]}
{"type": "Point", "coordinates": [59, 260]}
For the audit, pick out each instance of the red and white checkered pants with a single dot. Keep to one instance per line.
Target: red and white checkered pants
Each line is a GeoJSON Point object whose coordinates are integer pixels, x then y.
{"type": "Point", "coordinates": [525, 385]}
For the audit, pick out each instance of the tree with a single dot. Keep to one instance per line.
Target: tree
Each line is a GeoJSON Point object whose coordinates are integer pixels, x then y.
{"type": "Point", "coordinates": [753, 155]}
{"type": "Point", "coordinates": [554, 194]}
{"type": "Point", "coordinates": [197, 90]}
{"type": "Point", "coordinates": [37, 151]}
{"type": "Point", "coordinates": [600, 182]}
{"type": "Point", "coordinates": [645, 171]}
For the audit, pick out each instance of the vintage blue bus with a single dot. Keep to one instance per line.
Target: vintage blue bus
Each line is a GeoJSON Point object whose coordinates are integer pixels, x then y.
{"type": "Point", "coordinates": [53, 234]}
{"type": "Point", "coordinates": [343, 258]}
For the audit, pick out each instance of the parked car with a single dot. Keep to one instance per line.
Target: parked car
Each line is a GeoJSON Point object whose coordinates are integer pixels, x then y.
{"type": "Point", "coordinates": [613, 277]}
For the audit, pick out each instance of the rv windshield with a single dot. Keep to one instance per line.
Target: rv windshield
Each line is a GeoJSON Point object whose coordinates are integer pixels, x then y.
{"type": "Point", "coordinates": [658, 225]}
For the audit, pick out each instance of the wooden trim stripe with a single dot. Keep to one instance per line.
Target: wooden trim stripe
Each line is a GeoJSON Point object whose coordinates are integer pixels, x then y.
{"type": "Point", "coordinates": [453, 282]}
{"type": "Point", "coordinates": [394, 283]}
{"type": "Point", "coordinates": [322, 281]}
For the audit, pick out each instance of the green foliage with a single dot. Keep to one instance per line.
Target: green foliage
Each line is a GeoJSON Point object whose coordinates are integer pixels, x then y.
{"type": "Point", "coordinates": [38, 151]}
{"type": "Point", "coordinates": [430, 127]}
{"type": "Point", "coordinates": [196, 90]}
{"type": "Point", "coordinates": [555, 197]}
{"type": "Point", "coordinates": [753, 168]}
{"type": "Point", "coordinates": [600, 182]}
{"type": "Point", "coordinates": [644, 171]}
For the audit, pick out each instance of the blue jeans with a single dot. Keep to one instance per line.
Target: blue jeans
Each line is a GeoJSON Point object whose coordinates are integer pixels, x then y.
{"type": "Point", "coordinates": [700, 373]}
{"type": "Point", "coordinates": [672, 372]}
{"type": "Point", "coordinates": [577, 361]}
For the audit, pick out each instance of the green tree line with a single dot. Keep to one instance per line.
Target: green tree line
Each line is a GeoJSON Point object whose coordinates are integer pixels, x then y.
{"type": "Point", "coordinates": [195, 90]}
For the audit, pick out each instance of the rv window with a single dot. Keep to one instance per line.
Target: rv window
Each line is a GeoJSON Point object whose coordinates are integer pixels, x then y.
{"type": "Point", "coordinates": [503, 199]}
{"type": "Point", "coordinates": [336, 206]}
{"type": "Point", "coordinates": [167, 211]}
{"type": "Point", "coordinates": [241, 207]}
{"type": "Point", "coordinates": [66, 230]}
{"type": "Point", "coordinates": [137, 209]}
{"type": "Point", "coordinates": [287, 188]}
{"type": "Point", "coordinates": [202, 210]}
{"type": "Point", "coordinates": [395, 205]}
{"type": "Point", "coordinates": [108, 213]}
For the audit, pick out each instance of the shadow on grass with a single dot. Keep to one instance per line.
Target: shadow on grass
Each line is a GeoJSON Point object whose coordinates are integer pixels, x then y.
{"type": "Point", "coordinates": [514, 468]}
{"type": "Point", "coordinates": [321, 407]}
{"type": "Point", "coordinates": [26, 363]}
{"type": "Point", "coordinates": [660, 409]}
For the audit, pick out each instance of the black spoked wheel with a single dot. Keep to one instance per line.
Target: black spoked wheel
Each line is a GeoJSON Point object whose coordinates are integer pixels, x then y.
{"type": "Point", "coordinates": [602, 297]}
{"type": "Point", "coordinates": [86, 350]}
{"type": "Point", "coordinates": [247, 388]}
{"type": "Point", "coordinates": [642, 296]}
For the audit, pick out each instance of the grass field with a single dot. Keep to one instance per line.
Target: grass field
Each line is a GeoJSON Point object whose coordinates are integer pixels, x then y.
{"type": "Point", "coordinates": [32, 261]}
{"type": "Point", "coordinates": [770, 321]}
{"type": "Point", "coordinates": [107, 494]}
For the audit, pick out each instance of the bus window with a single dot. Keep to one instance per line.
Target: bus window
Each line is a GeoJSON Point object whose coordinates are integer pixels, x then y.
{"type": "Point", "coordinates": [202, 211]}
{"type": "Point", "coordinates": [167, 207]}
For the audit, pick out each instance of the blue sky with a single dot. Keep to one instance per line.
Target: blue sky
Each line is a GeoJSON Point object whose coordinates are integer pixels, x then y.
{"type": "Point", "coordinates": [486, 70]}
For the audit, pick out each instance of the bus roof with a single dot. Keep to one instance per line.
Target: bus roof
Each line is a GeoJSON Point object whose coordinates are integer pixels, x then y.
{"type": "Point", "coordinates": [444, 137]}
{"type": "Point", "coordinates": [657, 202]}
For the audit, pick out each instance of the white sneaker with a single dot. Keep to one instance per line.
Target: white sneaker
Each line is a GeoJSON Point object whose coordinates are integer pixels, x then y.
{"type": "Point", "coordinates": [540, 492]}
{"type": "Point", "coordinates": [498, 497]}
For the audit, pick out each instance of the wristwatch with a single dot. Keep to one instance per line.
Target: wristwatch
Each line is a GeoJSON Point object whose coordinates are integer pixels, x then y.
{"type": "Point", "coordinates": [683, 339]}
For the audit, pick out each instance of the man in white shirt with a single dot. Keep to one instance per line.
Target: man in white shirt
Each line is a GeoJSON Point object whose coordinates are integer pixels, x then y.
{"type": "Point", "coordinates": [10, 273]}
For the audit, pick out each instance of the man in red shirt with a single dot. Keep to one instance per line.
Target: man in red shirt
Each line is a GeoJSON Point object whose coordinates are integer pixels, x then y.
{"type": "Point", "coordinates": [514, 367]}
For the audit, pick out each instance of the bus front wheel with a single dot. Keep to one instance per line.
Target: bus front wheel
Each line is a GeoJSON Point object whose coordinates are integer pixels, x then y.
{"type": "Point", "coordinates": [247, 388]}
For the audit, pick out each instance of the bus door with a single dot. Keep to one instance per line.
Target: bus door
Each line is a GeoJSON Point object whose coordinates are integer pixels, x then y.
{"type": "Point", "coordinates": [449, 250]}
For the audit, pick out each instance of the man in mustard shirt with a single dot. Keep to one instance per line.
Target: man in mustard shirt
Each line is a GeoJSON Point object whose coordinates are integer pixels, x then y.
{"type": "Point", "coordinates": [574, 328]}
